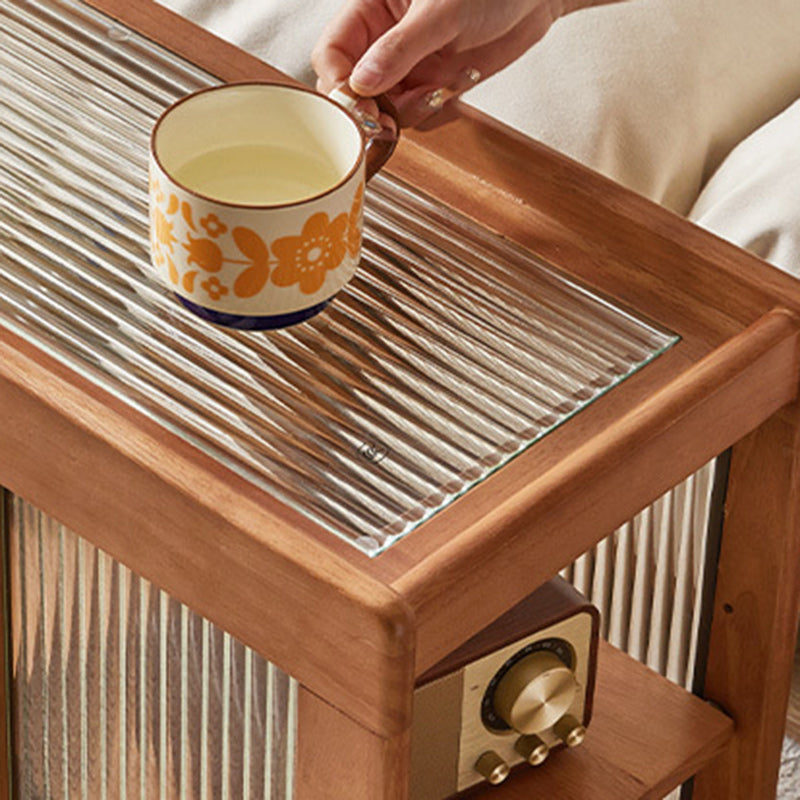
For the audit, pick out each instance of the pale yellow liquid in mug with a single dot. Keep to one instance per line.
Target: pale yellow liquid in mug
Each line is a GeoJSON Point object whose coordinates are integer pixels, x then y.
{"type": "Point", "coordinates": [256, 174]}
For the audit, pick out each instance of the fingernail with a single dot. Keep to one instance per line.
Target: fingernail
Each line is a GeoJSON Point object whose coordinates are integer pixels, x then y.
{"type": "Point", "coordinates": [365, 77]}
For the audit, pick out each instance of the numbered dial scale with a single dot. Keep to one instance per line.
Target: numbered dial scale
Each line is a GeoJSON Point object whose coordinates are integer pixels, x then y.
{"type": "Point", "coordinates": [516, 691]}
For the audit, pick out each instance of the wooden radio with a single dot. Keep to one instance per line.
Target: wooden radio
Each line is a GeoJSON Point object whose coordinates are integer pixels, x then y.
{"type": "Point", "coordinates": [508, 696]}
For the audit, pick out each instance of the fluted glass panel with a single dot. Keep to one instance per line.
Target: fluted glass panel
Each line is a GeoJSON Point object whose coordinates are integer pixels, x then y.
{"type": "Point", "coordinates": [451, 352]}
{"type": "Point", "coordinates": [119, 691]}
{"type": "Point", "coordinates": [647, 578]}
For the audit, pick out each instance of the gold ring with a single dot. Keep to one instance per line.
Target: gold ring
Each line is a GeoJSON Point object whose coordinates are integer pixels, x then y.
{"type": "Point", "coordinates": [434, 100]}
{"type": "Point", "coordinates": [472, 74]}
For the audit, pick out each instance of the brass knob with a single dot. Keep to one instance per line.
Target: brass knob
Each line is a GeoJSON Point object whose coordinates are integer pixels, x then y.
{"type": "Point", "coordinates": [532, 749]}
{"type": "Point", "coordinates": [492, 767]}
{"type": "Point", "coordinates": [535, 692]}
{"type": "Point", "coordinates": [570, 731]}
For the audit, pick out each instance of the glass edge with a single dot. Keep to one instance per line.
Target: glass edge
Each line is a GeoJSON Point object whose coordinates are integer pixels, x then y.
{"type": "Point", "coordinates": [96, 377]}
{"type": "Point", "coordinates": [672, 340]}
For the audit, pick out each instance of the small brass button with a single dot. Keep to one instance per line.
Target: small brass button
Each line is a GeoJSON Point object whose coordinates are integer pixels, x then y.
{"type": "Point", "coordinates": [532, 749]}
{"type": "Point", "coordinates": [492, 767]}
{"type": "Point", "coordinates": [570, 731]}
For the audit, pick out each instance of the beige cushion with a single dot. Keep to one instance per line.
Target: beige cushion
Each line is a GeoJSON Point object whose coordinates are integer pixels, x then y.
{"type": "Point", "coordinates": [281, 32]}
{"type": "Point", "coordinates": [654, 93]}
{"type": "Point", "coordinates": [753, 199]}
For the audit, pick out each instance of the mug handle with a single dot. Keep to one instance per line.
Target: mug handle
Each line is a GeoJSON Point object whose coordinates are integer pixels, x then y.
{"type": "Point", "coordinates": [378, 119]}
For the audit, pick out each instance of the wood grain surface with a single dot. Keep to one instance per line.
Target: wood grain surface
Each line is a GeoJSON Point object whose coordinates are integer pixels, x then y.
{"type": "Point", "coordinates": [525, 528]}
{"type": "Point", "coordinates": [751, 654]}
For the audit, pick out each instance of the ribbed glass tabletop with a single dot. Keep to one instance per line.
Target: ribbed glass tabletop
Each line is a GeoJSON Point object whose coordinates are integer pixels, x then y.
{"type": "Point", "coordinates": [451, 352]}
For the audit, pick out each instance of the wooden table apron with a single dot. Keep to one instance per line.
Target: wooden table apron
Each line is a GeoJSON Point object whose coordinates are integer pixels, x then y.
{"type": "Point", "coordinates": [355, 632]}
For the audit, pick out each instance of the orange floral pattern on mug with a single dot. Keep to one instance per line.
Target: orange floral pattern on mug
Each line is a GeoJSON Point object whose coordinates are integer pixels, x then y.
{"type": "Point", "coordinates": [204, 253]}
{"type": "Point", "coordinates": [213, 226]}
{"type": "Point", "coordinates": [214, 288]}
{"type": "Point", "coordinates": [305, 259]}
{"type": "Point", "coordinates": [162, 236]}
{"type": "Point", "coordinates": [301, 260]}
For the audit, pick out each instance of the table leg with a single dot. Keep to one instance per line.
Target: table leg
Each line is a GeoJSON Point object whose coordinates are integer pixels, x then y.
{"type": "Point", "coordinates": [755, 612]}
{"type": "Point", "coordinates": [337, 758]}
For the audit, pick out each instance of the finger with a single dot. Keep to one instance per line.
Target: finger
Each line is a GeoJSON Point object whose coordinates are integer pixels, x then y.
{"type": "Point", "coordinates": [345, 39]}
{"type": "Point", "coordinates": [433, 86]}
{"type": "Point", "coordinates": [413, 105]}
{"type": "Point", "coordinates": [418, 34]}
{"type": "Point", "coordinates": [332, 67]}
{"type": "Point", "coordinates": [493, 56]}
{"type": "Point", "coordinates": [419, 103]}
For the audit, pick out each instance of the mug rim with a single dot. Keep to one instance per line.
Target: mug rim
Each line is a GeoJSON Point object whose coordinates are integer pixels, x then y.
{"type": "Point", "coordinates": [258, 206]}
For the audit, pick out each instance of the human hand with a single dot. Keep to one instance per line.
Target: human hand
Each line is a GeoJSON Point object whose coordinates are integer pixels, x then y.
{"type": "Point", "coordinates": [423, 53]}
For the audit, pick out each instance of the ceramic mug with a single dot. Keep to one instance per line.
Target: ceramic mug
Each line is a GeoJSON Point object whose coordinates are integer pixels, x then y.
{"type": "Point", "coordinates": [256, 197]}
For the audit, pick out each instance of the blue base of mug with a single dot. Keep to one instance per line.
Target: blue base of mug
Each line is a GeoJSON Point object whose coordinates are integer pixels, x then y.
{"type": "Point", "coordinates": [244, 322]}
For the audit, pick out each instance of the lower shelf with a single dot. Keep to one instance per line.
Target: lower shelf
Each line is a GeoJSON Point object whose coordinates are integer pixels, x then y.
{"type": "Point", "coordinates": [647, 736]}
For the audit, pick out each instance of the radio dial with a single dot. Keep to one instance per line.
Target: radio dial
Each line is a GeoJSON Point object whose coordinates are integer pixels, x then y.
{"type": "Point", "coordinates": [535, 692]}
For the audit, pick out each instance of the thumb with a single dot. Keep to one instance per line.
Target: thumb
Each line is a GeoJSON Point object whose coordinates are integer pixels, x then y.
{"type": "Point", "coordinates": [419, 33]}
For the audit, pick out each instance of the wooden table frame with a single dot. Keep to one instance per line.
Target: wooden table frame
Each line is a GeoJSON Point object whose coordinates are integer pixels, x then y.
{"type": "Point", "coordinates": [137, 491]}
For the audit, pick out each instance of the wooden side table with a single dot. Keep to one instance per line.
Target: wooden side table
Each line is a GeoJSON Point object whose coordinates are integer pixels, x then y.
{"type": "Point", "coordinates": [357, 630]}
